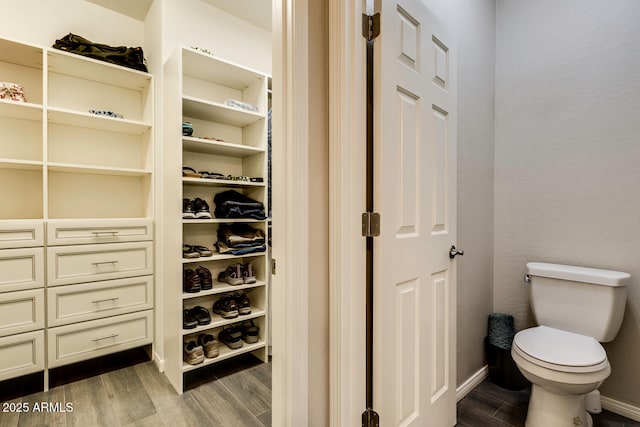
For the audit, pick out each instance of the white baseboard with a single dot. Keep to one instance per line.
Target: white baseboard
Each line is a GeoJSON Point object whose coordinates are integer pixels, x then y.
{"type": "Point", "coordinates": [621, 408]}
{"type": "Point", "coordinates": [471, 383]}
{"type": "Point", "coordinates": [159, 362]}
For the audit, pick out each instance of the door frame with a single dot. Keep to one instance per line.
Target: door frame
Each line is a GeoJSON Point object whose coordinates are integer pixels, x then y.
{"type": "Point", "coordinates": [347, 184]}
{"type": "Point", "coordinates": [290, 127]}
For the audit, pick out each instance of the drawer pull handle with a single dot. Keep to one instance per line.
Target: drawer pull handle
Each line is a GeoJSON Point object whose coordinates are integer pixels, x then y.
{"type": "Point", "coordinates": [104, 300]}
{"type": "Point", "coordinates": [104, 262]}
{"type": "Point", "coordinates": [105, 338]}
{"type": "Point", "coordinates": [100, 233]}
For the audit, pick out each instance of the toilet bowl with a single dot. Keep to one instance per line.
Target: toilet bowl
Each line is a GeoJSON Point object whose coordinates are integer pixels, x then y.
{"type": "Point", "coordinates": [562, 367]}
{"type": "Point", "coordinates": [576, 308]}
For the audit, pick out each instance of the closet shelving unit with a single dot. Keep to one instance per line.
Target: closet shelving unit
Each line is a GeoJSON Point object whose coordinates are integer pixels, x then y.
{"type": "Point", "coordinates": [200, 83]}
{"type": "Point", "coordinates": [76, 219]}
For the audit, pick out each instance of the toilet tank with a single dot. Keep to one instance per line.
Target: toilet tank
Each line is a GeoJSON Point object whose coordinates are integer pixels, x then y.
{"type": "Point", "coordinates": [586, 301]}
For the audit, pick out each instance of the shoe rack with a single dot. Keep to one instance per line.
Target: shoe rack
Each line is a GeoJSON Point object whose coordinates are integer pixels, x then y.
{"type": "Point", "coordinates": [228, 141]}
{"type": "Point", "coordinates": [76, 219]}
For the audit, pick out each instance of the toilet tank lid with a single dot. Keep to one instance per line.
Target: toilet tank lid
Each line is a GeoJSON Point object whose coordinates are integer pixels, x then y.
{"type": "Point", "coordinates": [578, 274]}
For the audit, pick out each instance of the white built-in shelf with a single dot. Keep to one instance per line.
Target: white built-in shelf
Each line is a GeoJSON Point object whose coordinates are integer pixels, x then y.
{"type": "Point", "coordinates": [215, 112]}
{"type": "Point", "coordinates": [95, 170]}
{"type": "Point", "coordinates": [220, 182]}
{"type": "Point", "coordinates": [221, 220]}
{"type": "Point", "coordinates": [216, 70]}
{"type": "Point", "coordinates": [93, 121]}
{"type": "Point", "coordinates": [20, 110]}
{"type": "Point", "coordinates": [20, 164]}
{"type": "Point", "coordinates": [218, 321]}
{"type": "Point", "coordinates": [225, 353]}
{"type": "Point", "coordinates": [220, 288]}
{"type": "Point", "coordinates": [20, 54]}
{"type": "Point", "coordinates": [91, 69]}
{"type": "Point", "coordinates": [221, 148]}
{"type": "Point", "coordinates": [220, 257]}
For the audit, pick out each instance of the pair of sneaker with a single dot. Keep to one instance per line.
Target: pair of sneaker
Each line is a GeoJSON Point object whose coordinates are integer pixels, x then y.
{"type": "Point", "coordinates": [195, 352]}
{"type": "Point", "coordinates": [231, 306]}
{"type": "Point", "coordinates": [195, 281]}
{"type": "Point", "coordinates": [195, 209]}
{"type": "Point", "coordinates": [237, 274]}
{"type": "Point", "coordinates": [233, 336]}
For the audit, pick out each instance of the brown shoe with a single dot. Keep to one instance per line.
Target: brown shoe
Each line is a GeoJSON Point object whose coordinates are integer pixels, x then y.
{"type": "Point", "coordinates": [209, 344]}
{"type": "Point", "coordinates": [193, 353]}
{"type": "Point", "coordinates": [206, 281]}
{"type": "Point", "coordinates": [190, 281]}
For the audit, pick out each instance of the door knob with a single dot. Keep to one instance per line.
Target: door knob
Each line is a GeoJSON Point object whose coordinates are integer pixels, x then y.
{"type": "Point", "coordinates": [453, 252]}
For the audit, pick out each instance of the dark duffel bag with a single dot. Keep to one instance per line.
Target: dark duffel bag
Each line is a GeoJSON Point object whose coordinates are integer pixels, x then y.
{"type": "Point", "coordinates": [131, 57]}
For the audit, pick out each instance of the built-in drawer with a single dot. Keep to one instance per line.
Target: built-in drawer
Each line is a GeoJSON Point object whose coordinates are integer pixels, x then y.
{"type": "Point", "coordinates": [21, 234]}
{"type": "Point", "coordinates": [92, 263]}
{"type": "Point", "coordinates": [21, 311]}
{"type": "Point", "coordinates": [88, 301]}
{"type": "Point", "coordinates": [21, 354]}
{"type": "Point", "coordinates": [79, 232]}
{"type": "Point", "coordinates": [86, 340]}
{"type": "Point", "coordinates": [21, 269]}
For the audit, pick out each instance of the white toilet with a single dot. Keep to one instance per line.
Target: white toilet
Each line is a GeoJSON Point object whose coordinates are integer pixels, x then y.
{"type": "Point", "coordinates": [576, 308]}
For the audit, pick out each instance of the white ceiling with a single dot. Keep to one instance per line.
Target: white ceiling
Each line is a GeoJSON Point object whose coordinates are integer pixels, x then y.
{"type": "Point", "coordinates": [134, 8]}
{"type": "Point", "coordinates": [257, 12]}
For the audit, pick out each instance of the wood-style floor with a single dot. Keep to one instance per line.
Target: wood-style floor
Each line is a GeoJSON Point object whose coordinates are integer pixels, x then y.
{"type": "Point", "coordinates": [491, 406]}
{"type": "Point", "coordinates": [234, 393]}
{"type": "Point", "coordinates": [230, 394]}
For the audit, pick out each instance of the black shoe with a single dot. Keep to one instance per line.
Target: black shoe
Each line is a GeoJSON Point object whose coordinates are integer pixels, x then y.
{"type": "Point", "coordinates": [231, 337]}
{"type": "Point", "coordinates": [226, 307]}
{"type": "Point", "coordinates": [242, 302]}
{"type": "Point", "coordinates": [187, 209]}
{"type": "Point", "coordinates": [201, 209]}
{"type": "Point", "coordinates": [250, 332]}
{"type": "Point", "coordinates": [188, 321]}
{"type": "Point", "coordinates": [201, 315]}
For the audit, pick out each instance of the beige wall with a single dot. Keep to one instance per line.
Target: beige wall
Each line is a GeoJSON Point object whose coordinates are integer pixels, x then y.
{"type": "Point", "coordinates": [568, 154]}
{"type": "Point", "coordinates": [42, 22]}
{"type": "Point", "coordinates": [472, 22]}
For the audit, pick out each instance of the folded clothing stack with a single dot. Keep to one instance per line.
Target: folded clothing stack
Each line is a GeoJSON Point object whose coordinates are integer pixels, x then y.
{"type": "Point", "coordinates": [231, 204]}
{"type": "Point", "coordinates": [240, 239]}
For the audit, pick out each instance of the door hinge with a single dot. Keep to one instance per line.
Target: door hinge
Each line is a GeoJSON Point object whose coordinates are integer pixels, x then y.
{"type": "Point", "coordinates": [370, 418]}
{"type": "Point", "coordinates": [273, 266]}
{"type": "Point", "coordinates": [370, 224]}
{"type": "Point", "coordinates": [370, 26]}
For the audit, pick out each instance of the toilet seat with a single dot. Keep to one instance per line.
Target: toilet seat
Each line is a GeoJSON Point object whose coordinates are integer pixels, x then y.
{"type": "Point", "coordinates": [560, 350]}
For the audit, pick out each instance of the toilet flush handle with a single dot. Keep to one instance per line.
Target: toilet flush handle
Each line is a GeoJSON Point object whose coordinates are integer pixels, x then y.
{"type": "Point", "coordinates": [526, 278]}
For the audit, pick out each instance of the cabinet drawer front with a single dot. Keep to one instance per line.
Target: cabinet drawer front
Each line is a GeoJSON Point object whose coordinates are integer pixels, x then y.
{"type": "Point", "coordinates": [64, 232]}
{"type": "Point", "coordinates": [21, 311]}
{"type": "Point", "coordinates": [21, 354]}
{"type": "Point", "coordinates": [86, 340]}
{"type": "Point", "coordinates": [21, 234]}
{"type": "Point", "coordinates": [75, 303]}
{"type": "Point", "coordinates": [92, 263]}
{"type": "Point", "coordinates": [21, 269]}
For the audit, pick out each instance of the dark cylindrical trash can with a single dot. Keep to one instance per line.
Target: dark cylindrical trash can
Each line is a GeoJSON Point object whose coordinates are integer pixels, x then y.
{"type": "Point", "coordinates": [502, 369]}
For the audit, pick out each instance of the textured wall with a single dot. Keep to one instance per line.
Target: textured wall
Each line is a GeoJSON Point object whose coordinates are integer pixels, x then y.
{"type": "Point", "coordinates": [568, 154]}
{"type": "Point", "coordinates": [472, 22]}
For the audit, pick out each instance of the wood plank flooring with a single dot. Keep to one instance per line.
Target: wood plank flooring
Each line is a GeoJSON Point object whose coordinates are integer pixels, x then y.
{"type": "Point", "coordinates": [235, 393]}
{"type": "Point", "coordinates": [491, 406]}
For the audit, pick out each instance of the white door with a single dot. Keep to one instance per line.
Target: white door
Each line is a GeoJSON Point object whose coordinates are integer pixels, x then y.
{"type": "Point", "coordinates": [415, 188]}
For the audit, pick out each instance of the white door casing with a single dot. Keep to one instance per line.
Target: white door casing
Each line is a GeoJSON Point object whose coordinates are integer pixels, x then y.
{"type": "Point", "coordinates": [414, 192]}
